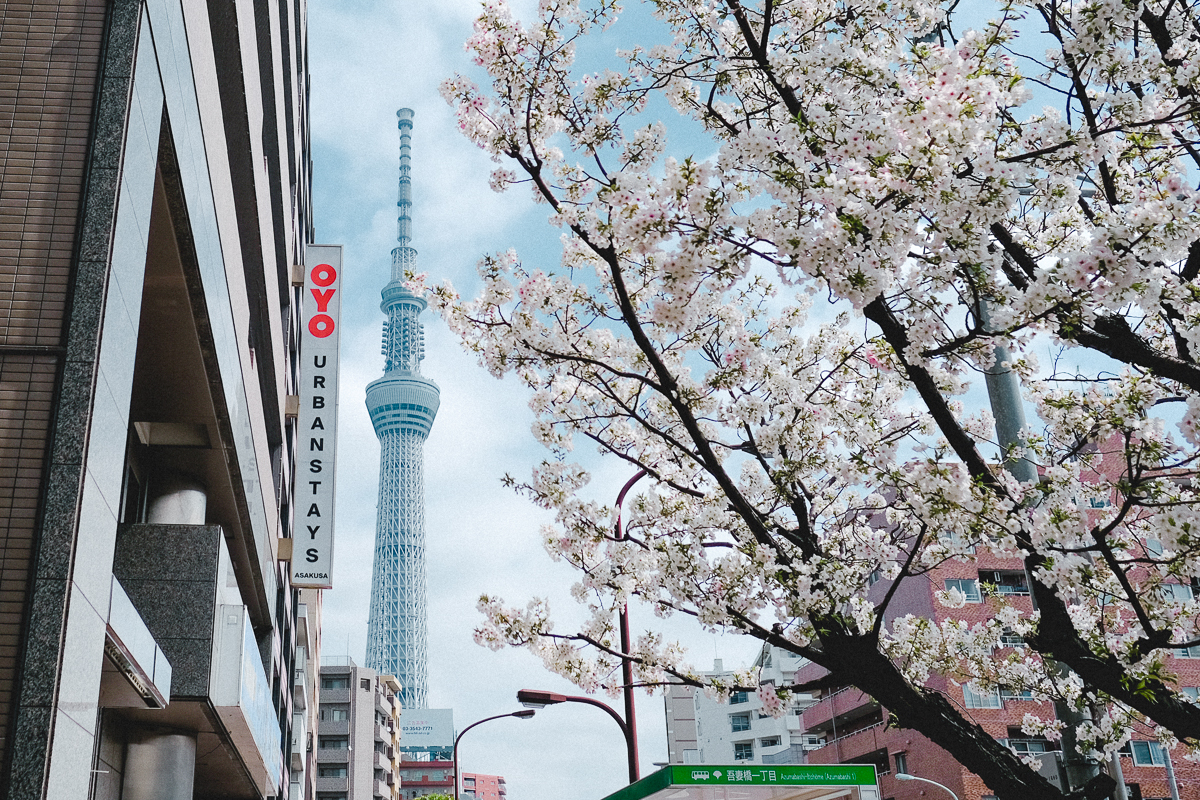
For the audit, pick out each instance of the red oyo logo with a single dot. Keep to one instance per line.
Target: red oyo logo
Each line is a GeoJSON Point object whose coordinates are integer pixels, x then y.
{"type": "Point", "coordinates": [321, 324]}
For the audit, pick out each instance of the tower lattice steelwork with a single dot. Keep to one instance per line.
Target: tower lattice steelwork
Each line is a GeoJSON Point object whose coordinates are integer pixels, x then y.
{"type": "Point", "coordinates": [403, 405]}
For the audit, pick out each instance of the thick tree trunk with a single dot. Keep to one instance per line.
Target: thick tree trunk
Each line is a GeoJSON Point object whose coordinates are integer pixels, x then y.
{"type": "Point", "coordinates": [857, 659]}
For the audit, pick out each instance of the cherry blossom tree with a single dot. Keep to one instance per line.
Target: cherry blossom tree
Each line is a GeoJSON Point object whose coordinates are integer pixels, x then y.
{"type": "Point", "coordinates": [783, 330]}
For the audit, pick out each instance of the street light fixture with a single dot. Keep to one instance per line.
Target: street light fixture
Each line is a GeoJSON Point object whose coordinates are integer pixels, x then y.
{"type": "Point", "coordinates": [534, 698]}
{"type": "Point", "coordinates": [904, 776]}
{"type": "Point", "coordinates": [524, 713]}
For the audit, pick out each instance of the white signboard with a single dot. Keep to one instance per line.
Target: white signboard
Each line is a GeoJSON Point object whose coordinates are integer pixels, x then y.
{"type": "Point", "coordinates": [427, 729]}
{"type": "Point", "coordinates": [312, 551]}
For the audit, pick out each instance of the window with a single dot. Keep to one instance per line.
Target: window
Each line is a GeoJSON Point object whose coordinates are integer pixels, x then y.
{"type": "Point", "coordinates": [743, 751]}
{"type": "Point", "coordinates": [329, 796]}
{"type": "Point", "coordinates": [1147, 754]}
{"type": "Point", "coordinates": [331, 771]}
{"type": "Point", "coordinates": [1004, 581]}
{"type": "Point", "coordinates": [956, 541]}
{"type": "Point", "coordinates": [335, 682]}
{"type": "Point", "coordinates": [365, 683]}
{"type": "Point", "coordinates": [987, 699]}
{"type": "Point", "coordinates": [1177, 591]}
{"type": "Point", "coordinates": [901, 763]}
{"type": "Point", "coordinates": [875, 577]}
{"type": "Point", "coordinates": [1192, 693]}
{"type": "Point", "coordinates": [1188, 652]}
{"type": "Point", "coordinates": [770, 741]}
{"type": "Point", "coordinates": [335, 713]}
{"type": "Point", "coordinates": [1015, 694]}
{"type": "Point", "coordinates": [334, 742]}
{"type": "Point", "coordinates": [1010, 639]}
{"type": "Point", "coordinates": [968, 586]}
{"type": "Point", "coordinates": [1029, 746]}
{"type": "Point", "coordinates": [739, 722]}
{"type": "Point", "coordinates": [738, 697]}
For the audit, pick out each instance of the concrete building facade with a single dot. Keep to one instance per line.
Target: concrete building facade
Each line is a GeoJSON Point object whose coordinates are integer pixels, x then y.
{"type": "Point", "coordinates": [358, 733]}
{"type": "Point", "coordinates": [704, 730]}
{"type": "Point", "coordinates": [154, 197]}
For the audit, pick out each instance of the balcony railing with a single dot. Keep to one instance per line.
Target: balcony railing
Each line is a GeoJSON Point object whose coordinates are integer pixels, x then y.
{"type": "Point", "coordinates": [843, 702]}
{"type": "Point", "coordinates": [849, 735]}
{"type": "Point", "coordinates": [879, 724]}
{"type": "Point", "coordinates": [332, 755]}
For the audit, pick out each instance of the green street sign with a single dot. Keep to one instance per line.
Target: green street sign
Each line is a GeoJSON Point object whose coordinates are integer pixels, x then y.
{"type": "Point", "coordinates": [755, 782]}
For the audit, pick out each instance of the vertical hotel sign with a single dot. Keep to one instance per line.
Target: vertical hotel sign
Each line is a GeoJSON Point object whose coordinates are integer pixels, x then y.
{"type": "Point", "coordinates": [312, 551]}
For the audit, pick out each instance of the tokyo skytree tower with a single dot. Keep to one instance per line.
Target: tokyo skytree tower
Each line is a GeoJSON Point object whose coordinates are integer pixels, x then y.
{"type": "Point", "coordinates": [402, 405]}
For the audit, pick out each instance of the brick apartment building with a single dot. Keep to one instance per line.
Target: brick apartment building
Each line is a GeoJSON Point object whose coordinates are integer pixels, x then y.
{"type": "Point", "coordinates": [844, 725]}
{"type": "Point", "coordinates": [483, 787]}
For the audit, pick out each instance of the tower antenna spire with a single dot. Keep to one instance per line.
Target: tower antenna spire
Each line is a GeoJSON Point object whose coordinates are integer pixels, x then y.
{"type": "Point", "coordinates": [402, 405]}
{"type": "Point", "coordinates": [404, 193]}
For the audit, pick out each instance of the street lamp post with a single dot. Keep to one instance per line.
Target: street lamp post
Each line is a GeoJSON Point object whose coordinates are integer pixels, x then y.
{"type": "Point", "coordinates": [903, 776]}
{"type": "Point", "coordinates": [539, 699]}
{"type": "Point", "coordinates": [623, 619]}
{"type": "Point", "coordinates": [524, 713]}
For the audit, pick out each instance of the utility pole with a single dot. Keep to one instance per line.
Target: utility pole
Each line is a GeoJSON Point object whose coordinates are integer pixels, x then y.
{"type": "Point", "coordinates": [1004, 393]}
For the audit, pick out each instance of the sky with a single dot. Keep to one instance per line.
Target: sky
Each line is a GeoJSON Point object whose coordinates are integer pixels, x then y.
{"type": "Point", "coordinates": [368, 59]}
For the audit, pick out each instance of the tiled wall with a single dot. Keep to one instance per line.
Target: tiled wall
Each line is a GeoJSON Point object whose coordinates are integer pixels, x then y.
{"type": "Point", "coordinates": [49, 59]}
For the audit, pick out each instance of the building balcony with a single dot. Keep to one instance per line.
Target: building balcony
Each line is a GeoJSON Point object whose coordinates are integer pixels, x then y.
{"type": "Point", "coordinates": [380, 789]}
{"type": "Point", "coordinates": [330, 727]}
{"type": "Point", "coordinates": [838, 709]}
{"type": "Point", "coordinates": [335, 695]}
{"type": "Point", "coordinates": [302, 627]}
{"type": "Point", "coordinates": [204, 630]}
{"type": "Point", "coordinates": [299, 689]}
{"type": "Point", "coordinates": [857, 743]}
{"type": "Point", "coordinates": [299, 744]}
{"type": "Point", "coordinates": [331, 755]}
{"type": "Point", "coordinates": [333, 784]}
{"type": "Point", "coordinates": [382, 733]}
{"type": "Point", "coordinates": [381, 761]}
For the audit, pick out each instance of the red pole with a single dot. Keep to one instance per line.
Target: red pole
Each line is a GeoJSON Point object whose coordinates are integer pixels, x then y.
{"type": "Point", "coordinates": [626, 664]}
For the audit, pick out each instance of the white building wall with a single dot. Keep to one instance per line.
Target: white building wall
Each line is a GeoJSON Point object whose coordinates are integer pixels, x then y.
{"type": "Point", "coordinates": [700, 729]}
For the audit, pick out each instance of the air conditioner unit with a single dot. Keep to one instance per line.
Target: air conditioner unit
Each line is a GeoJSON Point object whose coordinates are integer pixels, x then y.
{"type": "Point", "coordinates": [809, 742]}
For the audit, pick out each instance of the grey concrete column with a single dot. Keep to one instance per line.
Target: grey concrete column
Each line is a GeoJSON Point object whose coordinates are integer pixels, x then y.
{"type": "Point", "coordinates": [160, 766]}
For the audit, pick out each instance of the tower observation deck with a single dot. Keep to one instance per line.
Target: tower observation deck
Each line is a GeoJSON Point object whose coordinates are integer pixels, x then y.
{"type": "Point", "coordinates": [402, 405]}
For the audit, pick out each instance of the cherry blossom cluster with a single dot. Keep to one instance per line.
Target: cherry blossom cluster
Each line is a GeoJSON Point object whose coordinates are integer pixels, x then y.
{"type": "Point", "coordinates": [789, 335]}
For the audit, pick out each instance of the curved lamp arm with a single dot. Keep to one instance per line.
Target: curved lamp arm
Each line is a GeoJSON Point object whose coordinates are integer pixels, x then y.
{"type": "Point", "coordinates": [539, 699]}
{"type": "Point", "coordinates": [525, 713]}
